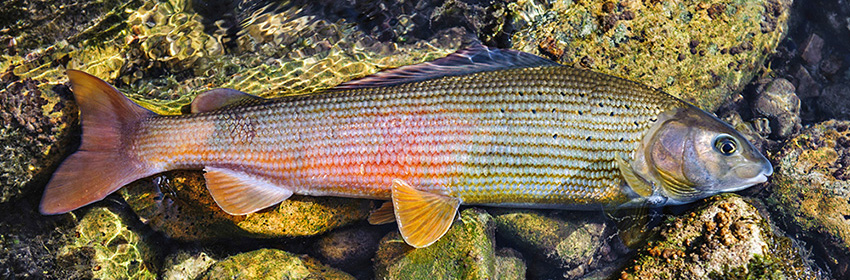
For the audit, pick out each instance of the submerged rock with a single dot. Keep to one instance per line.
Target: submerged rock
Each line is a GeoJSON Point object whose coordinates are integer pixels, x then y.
{"type": "Point", "coordinates": [726, 239]}
{"type": "Point", "coordinates": [467, 251]}
{"type": "Point", "coordinates": [558, 246]}
{"type": "Point", "coordinates": [178, 204]}
{"type": "Point", "coordinates": [699, 51]}
{"type": "Point", "coordinates": [120, 246]}
{"type": "Point", "coordinates": [271, 264]}
{"type": "Point", "coordinates": [186, 264]}
{"type": "Point", "coordinates": [809, 193]}
{"type": "Point", "coordinates": [778, 102]}
{"type": "Point", "coordinates": [350, 249]}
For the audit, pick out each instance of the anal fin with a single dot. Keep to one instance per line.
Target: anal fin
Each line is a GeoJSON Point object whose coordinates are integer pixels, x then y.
{"type": "Point", "coordinates": [382, 215]}
{"type": "Point", "coordinates": [422, 217]}
{"type": "Point", "coordinates": [239, 193]}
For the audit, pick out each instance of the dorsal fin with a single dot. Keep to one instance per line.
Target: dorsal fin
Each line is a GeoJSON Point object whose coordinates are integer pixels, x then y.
{"type": "Point", "coordinates": [215, 99]}
{"type": "Point", "coordinates": [474, 59]}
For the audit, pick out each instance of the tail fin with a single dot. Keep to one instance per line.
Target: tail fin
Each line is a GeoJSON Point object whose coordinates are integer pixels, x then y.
{"type": "Point", "coordinates": [101, 165]}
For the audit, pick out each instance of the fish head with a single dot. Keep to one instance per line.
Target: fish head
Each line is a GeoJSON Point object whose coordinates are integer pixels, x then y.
{"type": "Point", "coordinates": [694, 155]}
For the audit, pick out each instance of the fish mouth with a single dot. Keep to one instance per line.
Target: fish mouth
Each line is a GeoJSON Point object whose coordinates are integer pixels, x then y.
{"type": "Point", "coordinates": [766, 171]}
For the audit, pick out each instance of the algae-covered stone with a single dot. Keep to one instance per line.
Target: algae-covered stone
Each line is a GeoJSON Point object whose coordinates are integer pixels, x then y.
{"type": "Point", "coordinates": [810, 192]}
{"type": "Point", "coordinates": [467, 251]}
{"type": "Point", "coordinates": [120, 245]}
{"type": "Point", "coordinates": [272, 264]}
{"type": "Point", "coordinates": [697, 50]}
{"type": "Point", "coordinates": [186, 264]}
{"type": "Point", "coordinates": [726, 239]}
{"type": "Point", "coordinates": [559, 245]}
{"type": "Point", "coordinates": [350, 249]}
{"type": "Point", "coordinates": [179, 204]}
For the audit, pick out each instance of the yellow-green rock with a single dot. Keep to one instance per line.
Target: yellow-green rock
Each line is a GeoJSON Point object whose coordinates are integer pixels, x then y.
{"type": "Point", "coordinates": [467, 251]}
{"type": "Point", "coordinates": [809, 193]}
{"type": "Point", "coordinates": [272, 264]}
{"type": "Point", "coordinates": [728, 238]}
{"type": "Point", "coordinates": [120, 245]}
{"type": "Point", "coordinates": [700, 51]}
{"type": "Point", "coordinates": [178, 204]}
{"type": "Point", "coordinates": [566, 245]}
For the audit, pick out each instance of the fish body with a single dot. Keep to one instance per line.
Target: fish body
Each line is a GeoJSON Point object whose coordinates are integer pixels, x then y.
{"type": "Point", "coordinates": [482, 126]}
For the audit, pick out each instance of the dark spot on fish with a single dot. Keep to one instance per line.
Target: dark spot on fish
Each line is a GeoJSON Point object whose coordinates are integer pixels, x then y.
{"type": "Point", "coordinates": [636, 123]}
{"type": "Point", "coordinates": [502, 110]}
{"type": "Point", "coordinates": [601, 105]}
{"type": "Point", "coordinates": [734, 50]}
{"type": "Point", "coordinates": [555, 136]}
{"type": "Point", "coordinates": [622, 139]}
{"type": "Point", "coordinates": [694, 43]}
{"type": "Point", "coordinates": [540, 92]}
{"type": "Point", "coordinates": [627, 15]}
{"type": "Point", "coordinates": [681, 57]}
{"type": "Point", "coordinates": [534, 111]}
{"type": "Point", "coordinates": [581, 94]}
{"type": "Point", "coordinates": [611, 114]}
{"type": "Point", "coordinates": [588, 138]}
{"type": "Point", "coordinates": [554, 110]}
{"type": "Point", "coordinates": [715, 10]}
{"type": "Point", "coordinates": [627, 107]}
{"type": "Point", "coordinates": [521, 94]}
{"type": "Point", "coordinates": [653, 119]}
{"type": "Point", "coordinates": [580, 113]}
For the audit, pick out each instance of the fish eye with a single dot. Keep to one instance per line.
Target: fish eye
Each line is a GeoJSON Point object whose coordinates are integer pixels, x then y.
{"type": "Point", "coordinates": [725, 144]}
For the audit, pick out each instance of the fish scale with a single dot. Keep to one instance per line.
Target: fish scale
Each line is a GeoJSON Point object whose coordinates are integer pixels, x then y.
{"type": "Point", "coordinates": [543, 136]}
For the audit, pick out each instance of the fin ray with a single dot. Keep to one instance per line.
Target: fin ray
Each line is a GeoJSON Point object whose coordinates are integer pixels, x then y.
{"type": "Point", "coordinates": [219, 98]}
{"type": "Point", "coordinates": [382, 215]}
{"type": "Point", "coordinates": [474, 59]}
{"type": "Point", "coordinates": [101, 165]}
{"type": "Point", "coordinates": [239, 193]}
{"type": "Point", "coordinates": [422, 217]}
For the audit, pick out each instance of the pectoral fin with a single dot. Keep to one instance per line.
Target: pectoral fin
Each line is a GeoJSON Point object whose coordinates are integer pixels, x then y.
{"type": "Point", "coordinates": [638, 184]}
{"type": "Point", "coordinates": [383, 215]}
{"type": "Point", "coordinates": [239, 193]}
{"type": "Point", "coordinates": [422, 217]}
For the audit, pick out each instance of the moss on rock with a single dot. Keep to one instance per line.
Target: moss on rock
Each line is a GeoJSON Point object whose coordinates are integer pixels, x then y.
{"type": "Point", "coordinates": [178, 204]}
{"type": "Point", "coordinates": [467, 251]}
{"type": "Point", "coordinates": [810, 191]}
{"type": "Point", "coordinates": [700, 50]}
{"type": "Point", "coordinates": [726, 238]}
{"type": "Point", "coordinates": [120, 246]}
{"type": "Point", "coordinates": [271, 264]}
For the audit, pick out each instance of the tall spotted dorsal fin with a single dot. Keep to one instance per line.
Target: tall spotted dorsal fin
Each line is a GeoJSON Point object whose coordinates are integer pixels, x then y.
{"type": "Point", "coordinates": [474, 59]}
{"type": "Point", "coordinates": [215, 99]}
{"type": "Point", "coordinates": [422, 217]}
{"type": "Point", "coordinates": [239, 193]}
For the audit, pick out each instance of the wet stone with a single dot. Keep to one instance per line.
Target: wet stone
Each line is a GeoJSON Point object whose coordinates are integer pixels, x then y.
{"type": "Point", "coordinates": [178, 204]}
{"type": "Point", "coordinates": [558, 246]}
{"type": "Point", "coordinates": [725, 239]}
{"type": "Point", "coordinates": [781, 106]}
{"type": "Point", "coordinates": [809, 193]}
{"type": "Point", "coordinates": [699, 51]}
{"type": "Point", "coordinates": [812, 49]}
{"type": "Point", "coordinates": [350, 249]}
{"type": "Point", "coordinates": [807, 87]}
{"type": "Point", "coordinates": [186, 264]}
{"type": "Point", "coordinates": [271, 264]}
{"type": "Point", "coordinates": [835, 101]}
{"type": "Point", "coordinates": [467, 251]}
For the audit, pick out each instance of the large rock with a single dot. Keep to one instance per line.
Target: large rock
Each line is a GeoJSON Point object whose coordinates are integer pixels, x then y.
{"type": "Point", "coordinates": [725, 239]}
{"type": "Point", "coordinates": [810, 192]}
{"type": "Point", "coordinates": [467, 251]}
{"type": "Point", "coordinates": [179, 205]}
{"type": "Point", "coordinates": [557, 246]}
{"type": "Point", "coordinates": [700, 51]}
{"type": "Point", "coordinates": [272, 264]}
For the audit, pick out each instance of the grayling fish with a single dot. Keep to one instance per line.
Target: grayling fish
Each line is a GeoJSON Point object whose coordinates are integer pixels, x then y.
{"type": "Point", "coordinates": [481, 126]}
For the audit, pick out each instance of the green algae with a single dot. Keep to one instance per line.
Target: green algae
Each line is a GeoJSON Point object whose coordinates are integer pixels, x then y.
{"type": "Point", "coordinates": [700, 51]}
{"type": "Point", "coordinates": [178, 204]}
{"type": "Point", "coordinates": [809, 192]}
{"type": "Point", "coordinates": [120, 248]}
{"type": "Point", "coordinates": [271, 264]}
{"type": "Point", "coordinates": [467, 251]}
{"type": "Point", "coordinates": [726, 238]}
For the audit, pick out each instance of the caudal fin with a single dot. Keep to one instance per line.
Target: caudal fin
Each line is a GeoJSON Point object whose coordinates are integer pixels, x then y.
{"type": "Point", "coordinates": [101, 165]}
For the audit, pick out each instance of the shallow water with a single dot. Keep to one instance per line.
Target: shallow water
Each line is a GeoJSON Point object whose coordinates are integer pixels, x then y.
{"type": "Point", "coordinates": [777, 72]}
